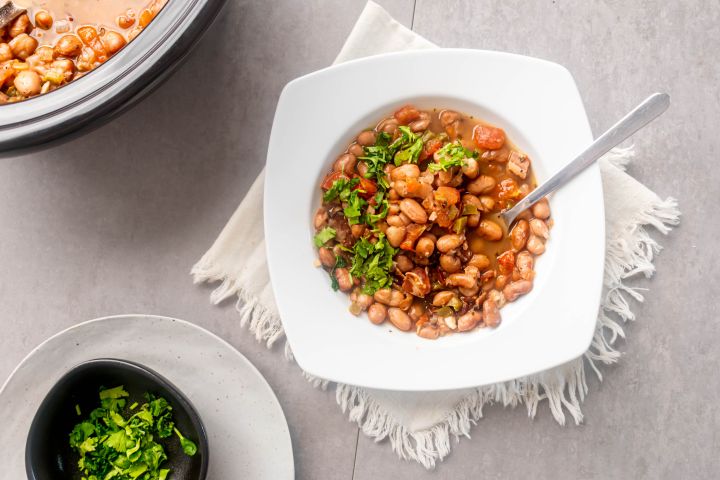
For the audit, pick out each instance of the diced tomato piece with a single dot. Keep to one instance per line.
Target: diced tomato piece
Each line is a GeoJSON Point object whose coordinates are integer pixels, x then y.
{"type": "Point", "coordinates": [447, 195]}
{"type": "Point", "coordinates": [368, 187]}
{"type": "Point", "coordinates": [332, 178]}
{"type": "Point", "coordinates": [407, 114]}
{"type": "Point", "coordinates": [413, 232]}
{"type": "Point", "coordinates": [506, 262]}
{"type": "Point", "coordinates": [430, 147]}
{"type": "Point", "coordinates": [489, 138]}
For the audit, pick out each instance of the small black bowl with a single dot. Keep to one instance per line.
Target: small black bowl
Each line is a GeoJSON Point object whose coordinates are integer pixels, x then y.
{"type": "Point", "coordinates": [48, 455]}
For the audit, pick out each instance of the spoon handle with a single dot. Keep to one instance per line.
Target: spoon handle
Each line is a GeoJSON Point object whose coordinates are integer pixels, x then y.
{"type": "Point", "coordinates": [643, 114]}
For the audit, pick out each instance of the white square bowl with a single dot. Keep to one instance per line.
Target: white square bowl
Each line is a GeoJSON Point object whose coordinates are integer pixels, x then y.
{"type": "Point", "coordinates": [538, 105]}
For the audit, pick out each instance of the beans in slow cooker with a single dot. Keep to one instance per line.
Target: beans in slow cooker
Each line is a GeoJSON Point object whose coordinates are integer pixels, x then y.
{"type": "Point", "coordinates": [58, 41]}
{"type": "Point", "coordinates": [409, 223]}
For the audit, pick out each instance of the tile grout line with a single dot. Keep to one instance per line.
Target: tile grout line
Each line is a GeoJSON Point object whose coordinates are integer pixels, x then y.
{"type": "Point", "coordinates": [357, 444]}
{"type": "Point", "coordinates": [412, 20]}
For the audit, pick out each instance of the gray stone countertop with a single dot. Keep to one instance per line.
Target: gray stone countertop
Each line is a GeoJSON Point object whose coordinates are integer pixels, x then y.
{"type": "Point", "coordinates": [112, 222]}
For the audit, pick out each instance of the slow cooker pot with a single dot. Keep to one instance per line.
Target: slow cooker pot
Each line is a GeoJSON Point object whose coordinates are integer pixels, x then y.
{"type": "Point", "coordinates": [105, 92]}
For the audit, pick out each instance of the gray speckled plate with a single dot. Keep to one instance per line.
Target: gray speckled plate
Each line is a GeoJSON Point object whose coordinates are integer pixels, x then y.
{"type": "Point", "coordinates": [247, 431]}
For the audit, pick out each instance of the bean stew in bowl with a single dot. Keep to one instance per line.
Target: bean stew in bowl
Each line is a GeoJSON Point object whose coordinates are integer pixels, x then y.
{"type": "Point", "coordinates": [49, 43]}
{"type": "Point", "coordinates": [387, 179]}
{"type": "Point", "coordinates": [409, 226]}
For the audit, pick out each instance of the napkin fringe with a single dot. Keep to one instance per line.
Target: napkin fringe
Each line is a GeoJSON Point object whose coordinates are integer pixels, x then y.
{"type": "Point", "coordinates": [564, 387]}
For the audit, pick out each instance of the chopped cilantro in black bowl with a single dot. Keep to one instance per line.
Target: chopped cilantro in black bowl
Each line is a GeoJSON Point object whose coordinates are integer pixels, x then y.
{"type": "Point", "coordinates": [72, 404]}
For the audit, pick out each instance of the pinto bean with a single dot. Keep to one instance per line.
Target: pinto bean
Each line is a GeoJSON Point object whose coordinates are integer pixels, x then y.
{"type": "Point", "coordinates": [366, 138]}
{"type": "Point", "coordinates": [513, 290]}
{"type": "Point", "coordinates": [400, 319]}
{"type": "Point", "coordinates": [539, 228]}
{"type": "Point", "coordinates": [403, 263]}
{"type": "Point", "coordinates": [345, 282]}
{"type": "Point", "coordinates": [487, 202]}
{"type": "Point", "coordinates": [43, 20]}
{"type": "Point", "coordinates": [519, 235]}
{"type": "Point", "coordinates": [443, 297]}
{"type": "Point", "coordinates": [501, 281]}
{"type": "Point", "coordinates": [396, 221]}
{"type": "Point", "coordinates": [482, 184]}
{"type": "Point", "coordinates": [535, 245]}
{"type": "Point", "coordinates": [479, 261]}
{"type": "Point", "coordinates": [469, 292]}
{"type": "Point", "coordinates": [356, 149]}
{"type": "Point", "coordinates": [377, 313]}
{"type": "Point", "coordinates": [447, 117]}
{"type": "Point", "coordinates": [541, 209]}
{"type": "Point", "coordinates": [27, 83]}
{"type": "Point", "coordinates": [404, 172]}
{"type": "Point", "coordinates": [389, 125]}
{"type": "Point", "coordinates": [364, 300]}
{"type": "Point", "coordinates": [392, 298]}
{"type": "Point", "coordinates": [525, 263]}
{"type": "Point", "coordinates": [68, 46]}
{"type": "Point", "coordinates": [473, 220]}
{"type": "Point", "coordinates": [468, 321]}
{"type": "Point", "coordinates": [23, 46]}
{"type": "Point", "coordinates": [471, 169]}
{"type": "Point", "coordinates": [422, 123]}
{"type": "Point", "coordinates": [113, 42]}
{"type": "Point", "coordinates": [327, 257]}
{"type": "Point", "coordinates": [345, 163]}
{"type": "Point", "coordinates": [461, 280]}
{"type": "Point", "coordinates": [449, 242]}
{"type": "Point", "coordinates": [429, 332]}
{"type": "Point", "coordinates": [425, 246]}
{"type": "Point", "coordinates": [490, 230]}
{"type": "Point", "coordinates": [357, 230]}
{"type": "Point", "coordinates": [412, 189]}
{"type": "Point", "coordinates": [416, 310]}
{"type": "Point", "coordinates": [413, 210]}
{"type": "Point", "coordinates": [450, 263]}
{"type": "Point", "coordinates": [321, 217]}
{"type": "Point", "coordinates": [491, 313]}
{"type": "Point", "coordinates": [395, 235]}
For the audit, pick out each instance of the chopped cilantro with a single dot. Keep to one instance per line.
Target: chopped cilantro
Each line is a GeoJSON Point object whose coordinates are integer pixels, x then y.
{"type": "Point", "coordinates": [112, 446]}
{"type": "Point", "coordinates": [376, 157]}
{"type": "Point", "coordinates": [373, 262]}
{"type": "Point", "coordinates": [341, 189]}
{"type": "Point", "coordinates": [451, 155]}
{"type": "Point", "coordinates": [339, 263]}
{"type": "Point", "coordinates": [381, 209]}
{"type": "Point", "coordinates": [345, 191]}
{"type": "Point", "coordinates": [408, 146]}
{"type": "Point", "coordinates": [324, 235]}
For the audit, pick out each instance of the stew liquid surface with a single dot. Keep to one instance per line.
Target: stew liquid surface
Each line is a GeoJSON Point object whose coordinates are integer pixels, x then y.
{"type": "Point", "coordinates": [58, 41]}
{"type": "Point", "coordinates": [409, 223]}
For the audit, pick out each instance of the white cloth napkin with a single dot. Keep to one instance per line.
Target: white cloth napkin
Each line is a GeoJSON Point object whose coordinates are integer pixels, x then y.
{"type": "Point", "coordinates": [420, 425]}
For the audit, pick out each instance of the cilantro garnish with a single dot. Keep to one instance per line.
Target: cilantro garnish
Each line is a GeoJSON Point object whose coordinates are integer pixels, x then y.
{"type": "Point", "coordinates": [408, 146]}
{"type": "Point", "coordinates": [324, 236]}
{"type": "Point", "coordinates": [451, 155]}
{"type": "Point", "coordinates": [381, 207]}
{"type": "Point", "coordinates": [374, 262]}
{"type": "Point", "coordinates": [339, 263]}
{"type": "Point", "coordinates": [345, 191]}
{"type": "Point", "coordinates": [113, 446]}
{"type": "Point", "coordinates": [341, 188]}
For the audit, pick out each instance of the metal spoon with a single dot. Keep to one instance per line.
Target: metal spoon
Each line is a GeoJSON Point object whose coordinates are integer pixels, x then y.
{"type": "Point", "coordinates": [647, 111]}
{"type": "Point", "coordinates": [9, 12]}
